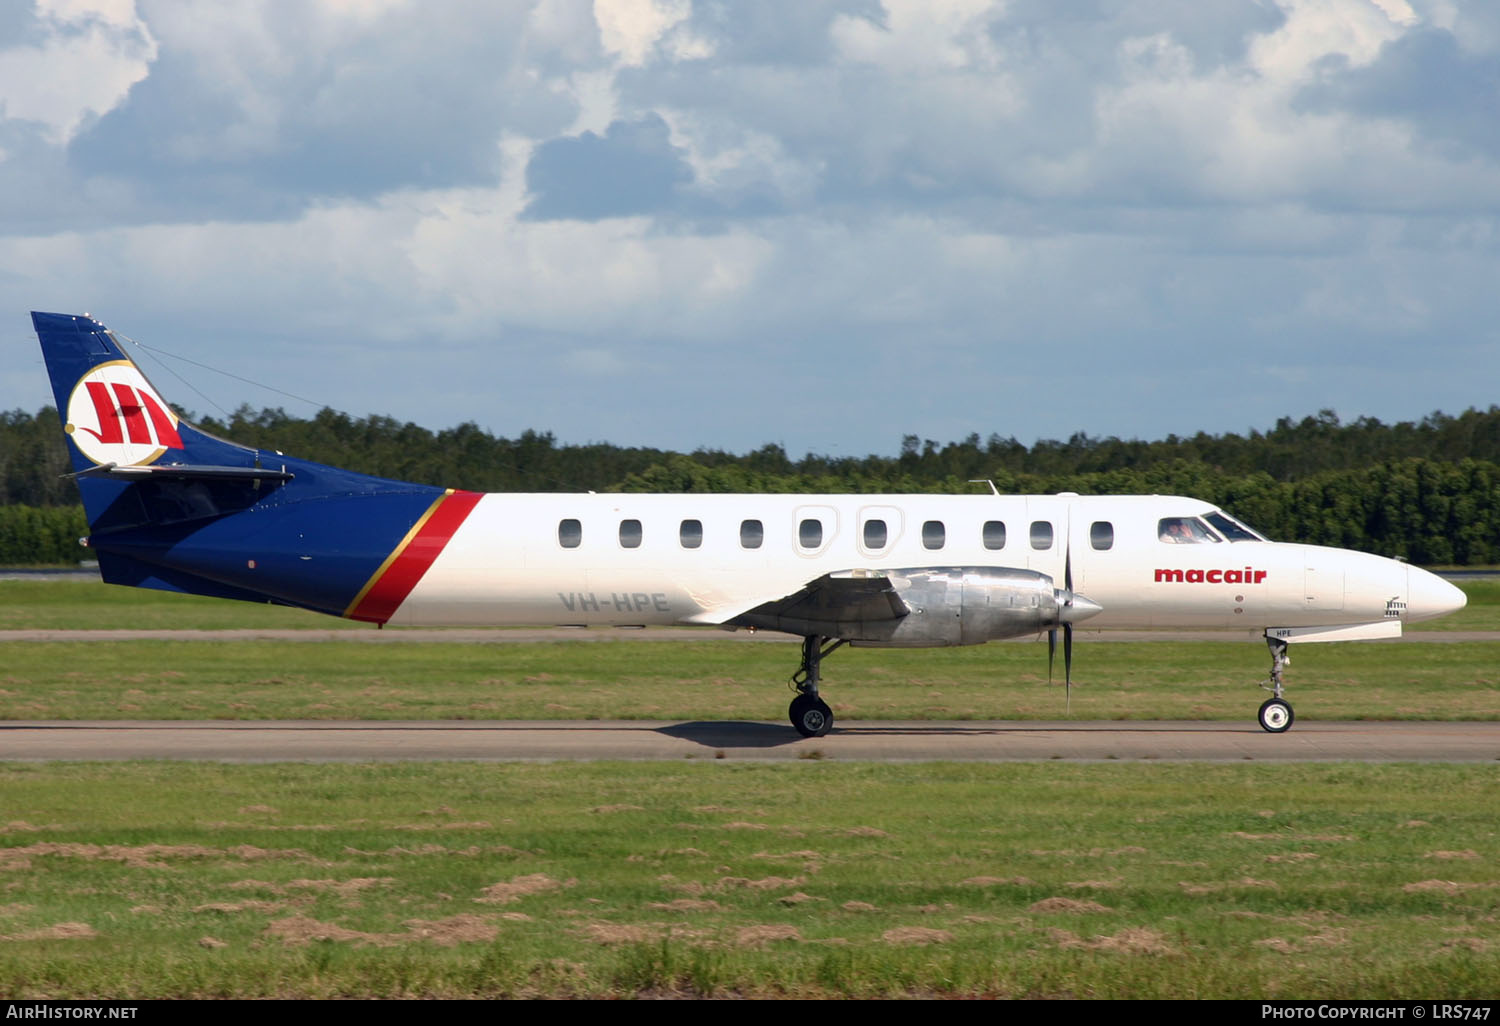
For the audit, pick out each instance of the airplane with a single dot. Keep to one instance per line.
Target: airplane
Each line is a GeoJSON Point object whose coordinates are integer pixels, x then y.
{"type": "Point", "coordinates": [174, 508]}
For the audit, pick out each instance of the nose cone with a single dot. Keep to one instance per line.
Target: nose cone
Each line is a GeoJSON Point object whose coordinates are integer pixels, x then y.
{"type": "Point", "coordinates": [1428, 596]}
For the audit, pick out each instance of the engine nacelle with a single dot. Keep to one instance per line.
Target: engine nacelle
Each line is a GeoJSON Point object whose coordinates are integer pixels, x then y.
{"type": "Point", "coordinates": [966, 605]}
{"type": "Point", "coordinates": [922, 607]}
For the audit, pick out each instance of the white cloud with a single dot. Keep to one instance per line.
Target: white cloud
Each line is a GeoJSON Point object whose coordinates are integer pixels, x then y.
{"type": "Point", "coordinates": [1398, 11]}
{"type": "Point", "coordinates": [631, 29]}
{"type": "Point", "coordinates": [732, 163]}
{"type": "Point", "coordinates": [921, 35]}
{"type": "Point", "coordinates": [362, 10]}
{"type": "Point", "coordinates": [566, 28]}
{"type": "Point", "coordinates": [1155, 58]}
{"type": "Point", "coordinates": [598, 106]}
{"type": "Point", "coordinates": [90, 54]}
{"type": "Point", "coordinates": [115, 13]}
{"type": "Point", "coordinates": [1316, 29]}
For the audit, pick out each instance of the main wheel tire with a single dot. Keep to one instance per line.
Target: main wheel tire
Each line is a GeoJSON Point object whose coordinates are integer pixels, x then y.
{"type": "Point", "coordinates": [794, 711]}
{"type": "Point", "coordinates": [1275, 716]}
{"type": "Point", "coordinates": [810, 716]}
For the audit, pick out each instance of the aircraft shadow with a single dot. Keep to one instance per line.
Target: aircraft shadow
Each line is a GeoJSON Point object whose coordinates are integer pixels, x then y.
{"type": "Point", "coordinates": [736, 734]}
{"type": "Point", "coordinates": [733, 734]}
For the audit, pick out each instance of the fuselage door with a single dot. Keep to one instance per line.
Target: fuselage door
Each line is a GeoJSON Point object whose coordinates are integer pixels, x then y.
{"type": "Point", "coordinates": [878, 530]}
{"type": "Point", "coordinates": [813, 530]}
{"type": "Point", "coordinates": [1323, 583]}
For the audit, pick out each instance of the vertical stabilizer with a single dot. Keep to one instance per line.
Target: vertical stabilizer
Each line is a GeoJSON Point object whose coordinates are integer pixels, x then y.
{"type": "Point", "coordinates": [113, 416]}
{"type": "Point", "coordinates": [171, 507]}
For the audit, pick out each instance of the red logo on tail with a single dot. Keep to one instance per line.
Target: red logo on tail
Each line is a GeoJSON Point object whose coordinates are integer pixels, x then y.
{"type": "Point", "coordinates": [114, 416]}
{"type": "Point", "coordinates": [131, 403]}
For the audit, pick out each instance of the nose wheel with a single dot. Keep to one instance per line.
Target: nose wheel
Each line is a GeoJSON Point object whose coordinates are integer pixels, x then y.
{"type": "Point", "coordinates": [1275, 716]}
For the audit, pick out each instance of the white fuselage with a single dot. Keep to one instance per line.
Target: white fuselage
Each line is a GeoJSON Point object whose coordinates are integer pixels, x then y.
{"type": "Point", "coordinates": [628, 559]}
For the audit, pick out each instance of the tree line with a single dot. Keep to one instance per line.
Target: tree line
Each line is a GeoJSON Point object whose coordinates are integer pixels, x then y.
{"type": "Point", "coordinates": [1427, 490]}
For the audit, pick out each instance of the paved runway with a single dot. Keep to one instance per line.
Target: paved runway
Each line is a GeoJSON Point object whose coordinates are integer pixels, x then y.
{"type": "Point", "coordinates": [330, 741]}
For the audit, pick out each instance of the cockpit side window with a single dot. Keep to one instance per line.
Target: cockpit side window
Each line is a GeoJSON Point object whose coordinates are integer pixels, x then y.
{"type": "Point", "coordinates": [1231, 528]}
{"type": "Point", "coordinates": [1184, 531]}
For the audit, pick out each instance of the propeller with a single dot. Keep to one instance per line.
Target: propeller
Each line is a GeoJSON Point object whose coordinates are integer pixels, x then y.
{"type": "Point", "coordinates": [1071, 607]}
{"type": "Point", "coordinates": [1068, 625]}
{"type": "Point", "coordinates": [1064, 614]}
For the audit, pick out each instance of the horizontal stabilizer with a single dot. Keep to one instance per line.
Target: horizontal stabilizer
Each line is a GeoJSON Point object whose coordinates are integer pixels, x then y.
{"type": "Point", "coordinates": [185, 472]}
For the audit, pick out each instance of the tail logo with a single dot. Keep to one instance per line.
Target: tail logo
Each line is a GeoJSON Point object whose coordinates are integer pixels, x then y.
{"type": "Point", "coordinates": [115, 416]}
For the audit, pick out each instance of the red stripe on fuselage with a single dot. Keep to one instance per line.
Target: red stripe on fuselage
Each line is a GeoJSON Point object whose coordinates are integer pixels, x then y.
{"type": "Point", "coordinates": [390, 585]}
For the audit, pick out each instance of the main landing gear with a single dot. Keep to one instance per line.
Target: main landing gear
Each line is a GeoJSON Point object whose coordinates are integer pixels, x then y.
{"type": "Point", "coordinates": [1276, 713]}
{"type": "Point", "coordinates": [810, 715]}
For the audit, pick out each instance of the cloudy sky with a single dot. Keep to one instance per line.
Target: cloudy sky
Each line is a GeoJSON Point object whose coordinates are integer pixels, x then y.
{"type": "Point", "coordinates": [824, 223]}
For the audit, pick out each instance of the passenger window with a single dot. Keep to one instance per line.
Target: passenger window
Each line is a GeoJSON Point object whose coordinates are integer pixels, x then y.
{"type": "Point", "coordinates": [690, 534]}
{"type": "Point", "coordinates": [934, 535]}
{"type": "Point", "coordinates": [1102, 535]}
{"type": "Point", "coordinates": [752, 532]}
{"type": "Point", "coordinates": [630, 534]}
{"type": "Point", "coordinates": [569, 534]}
{"type": "Point", "coordinates": [810, 533]}
{"type": "Point", "coordinates": [1041, 534]}
{"type": "Point", "coordinates": [994, 534]}
{"type": "Point", "coordinates": [875, 534]}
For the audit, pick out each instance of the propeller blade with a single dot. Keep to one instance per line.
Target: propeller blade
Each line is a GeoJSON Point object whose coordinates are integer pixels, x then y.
{"type": "Point", "coordinates": [1068, 665]}
{"type": "Point", "coordinates": [1051, 651]}
{"type": "Point", "coordinates": [1067, 620]}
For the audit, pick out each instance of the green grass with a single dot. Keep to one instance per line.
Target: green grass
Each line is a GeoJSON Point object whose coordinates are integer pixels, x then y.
{"type": "Point", "coordinates": [803, 879]}
{"type": "Point", "coordinates": [722, 680]}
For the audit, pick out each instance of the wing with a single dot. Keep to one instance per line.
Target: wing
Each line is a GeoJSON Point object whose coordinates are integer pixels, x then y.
{"type": "Point", "coordinates": [845, 603]}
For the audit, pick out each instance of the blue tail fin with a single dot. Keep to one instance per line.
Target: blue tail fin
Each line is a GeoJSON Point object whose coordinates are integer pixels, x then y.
{"type": "Point", "coordinates": [119, 427]}
{"type": "Point", "coordinates": [172, 507]}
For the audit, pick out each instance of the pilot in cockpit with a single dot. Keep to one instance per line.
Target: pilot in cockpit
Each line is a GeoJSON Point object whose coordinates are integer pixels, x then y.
{"type": "Point", "coordinates": [1183, 531]}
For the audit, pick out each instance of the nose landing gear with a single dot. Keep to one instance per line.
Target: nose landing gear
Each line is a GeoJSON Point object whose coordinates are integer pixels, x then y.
{"type": "Point", "coordinates": [1276, 712]}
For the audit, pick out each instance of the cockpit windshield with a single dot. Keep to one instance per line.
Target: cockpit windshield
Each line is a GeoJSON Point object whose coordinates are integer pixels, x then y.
{"type": "Point", "coordinates": [1232, 529]}
{"type": "Point", "coordinates": [1185, 531]}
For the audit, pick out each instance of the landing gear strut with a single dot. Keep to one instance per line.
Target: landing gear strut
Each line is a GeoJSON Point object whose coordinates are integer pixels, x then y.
{"type": "Point", "coordinates": [810, 715]}
{"type": "Point", "coordinates": [1276, 713]}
